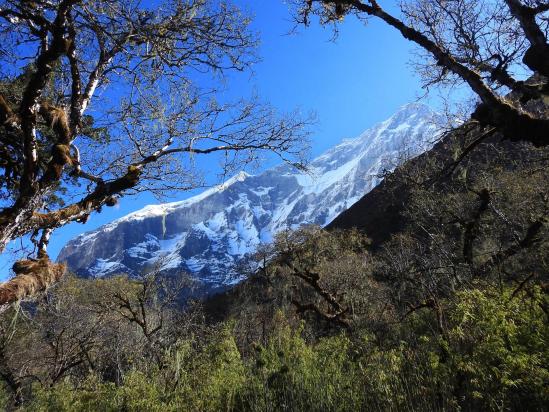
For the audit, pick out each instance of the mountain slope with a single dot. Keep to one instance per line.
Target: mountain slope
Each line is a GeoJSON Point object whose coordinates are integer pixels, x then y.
{"type": "Point", "coordinates": [209, 234]}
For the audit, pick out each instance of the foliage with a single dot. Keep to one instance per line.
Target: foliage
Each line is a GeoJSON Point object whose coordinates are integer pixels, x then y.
{"type": "Point", "coordinates": [495, 358]}
{"type": "Point", "coordinates": [450, 313]}
{"type": "Point", "coordinates": [500, 347]}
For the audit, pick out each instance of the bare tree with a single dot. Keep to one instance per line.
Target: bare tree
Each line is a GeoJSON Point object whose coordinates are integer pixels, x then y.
{"type": "Point", "coordinates": [101, 98]}
{"type": "Point", "coordinates": [495, 47]}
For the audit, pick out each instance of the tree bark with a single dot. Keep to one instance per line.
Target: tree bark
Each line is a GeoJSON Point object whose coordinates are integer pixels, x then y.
{"type": "Point", "coordinates": [537, 55]}
{"type": "Point", "coordinates": [32, 277]}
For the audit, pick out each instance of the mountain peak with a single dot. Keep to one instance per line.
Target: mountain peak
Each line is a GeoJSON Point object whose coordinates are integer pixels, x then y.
{"type": "Point", "coordinates": [209, 234]}
{"type": "Point", "coordinates": [415, 107]}
{"type": "Point", "coordinates": [239, 177]}
{"type": "Point", "coordinates": [411, 113]}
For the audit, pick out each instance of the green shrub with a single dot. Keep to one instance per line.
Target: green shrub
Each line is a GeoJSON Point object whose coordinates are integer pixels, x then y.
{"type": "Point", "coordinates": [90, 395]}
{"type": "Point", "coordinates": [493, 355]}
{"type": "Point", "coordinates": [500, 347]}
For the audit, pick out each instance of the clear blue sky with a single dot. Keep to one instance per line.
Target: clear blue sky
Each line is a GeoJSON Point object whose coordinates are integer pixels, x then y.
{"type": "Point", "coordinates": [352, 83]}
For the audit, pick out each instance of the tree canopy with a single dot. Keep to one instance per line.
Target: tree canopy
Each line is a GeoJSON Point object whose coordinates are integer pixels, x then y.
{"type": "Point", "coordinates": [100, 98]}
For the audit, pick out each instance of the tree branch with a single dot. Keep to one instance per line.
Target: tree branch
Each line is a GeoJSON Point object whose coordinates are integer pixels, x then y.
{"type": "Point", "coordinates": [537, 56]}
{"type": "Point", "coordinates": [76, 78]}
{"type": "Point", "coordinates": [529, 239]}
{"type": "Point", "coordinates": [29, 104]}
{"type": "Point", "coordinates": [513, 122]}
{"type": "Point", "coordinates": [471, 227]}
{"type": "Point", "coordinates": [32, 277]}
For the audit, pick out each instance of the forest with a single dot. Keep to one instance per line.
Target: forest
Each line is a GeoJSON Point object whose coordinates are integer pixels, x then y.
{"type": "Point", "coordinates": [431, 293]}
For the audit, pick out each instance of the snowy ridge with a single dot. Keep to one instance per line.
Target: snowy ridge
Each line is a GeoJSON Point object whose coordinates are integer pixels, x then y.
{"type": "Point", "coordinates": [209, 234]}
{"type": "Point", "coordinates": [165, 208]}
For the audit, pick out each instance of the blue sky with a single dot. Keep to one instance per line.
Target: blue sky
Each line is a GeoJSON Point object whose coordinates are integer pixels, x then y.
{"type": "Point", "coordinates": [351, 84]}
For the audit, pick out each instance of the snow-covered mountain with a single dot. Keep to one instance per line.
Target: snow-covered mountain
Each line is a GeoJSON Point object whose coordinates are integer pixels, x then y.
{"type": "Point", "coordinates": [207, 235]}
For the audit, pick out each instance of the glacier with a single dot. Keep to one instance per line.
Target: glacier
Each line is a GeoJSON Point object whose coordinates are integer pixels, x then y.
{"type": "Point", "coordinates": [210, 234]}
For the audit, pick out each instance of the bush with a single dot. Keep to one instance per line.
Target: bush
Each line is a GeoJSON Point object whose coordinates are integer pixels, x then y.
{"type": "Point", "coordinates": [500, 347]}
{"type": "Point", "coordinates": [494, 357]}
